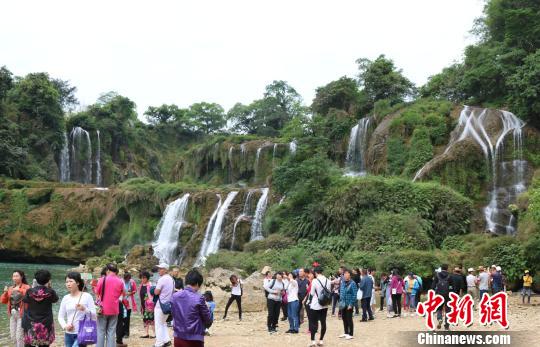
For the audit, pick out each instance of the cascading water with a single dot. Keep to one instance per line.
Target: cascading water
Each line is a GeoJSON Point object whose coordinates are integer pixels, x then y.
{"type": "Point", "coordinates": [508, 177]}
{"type": "Point", "coordinates": [358, 140]}
{"type": "Point", "coordinates": [64, 161]}
{"type": "Point", "coordinates": [81, 155]}
{"type": "Point", "coordinates": [274, 155]}
{"type": "Point", "coordinates": [230, 160]}
{"type": "Point", "coordinates": [292, 147]}
{"type": "Point", "coordinates": [168, 231]}
{"type": "Point", "coordinates": [244, 216]}
{"type": "Point", "coordinates": [214, 230]}
{"type": "Point", "coordinates": [98, 160]}
{"type": "Point", "coordinates": [256, 226]}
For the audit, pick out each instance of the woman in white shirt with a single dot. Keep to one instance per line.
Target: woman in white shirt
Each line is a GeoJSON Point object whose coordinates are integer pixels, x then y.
{"type": "Point", "coordinates": [319, 286]}
{"type": "Point", "coordinates": [75, 306]}
{"type": "Point", "coordinates": [236, 295]}
{"type": "Point", "coordinates": [293, 306]}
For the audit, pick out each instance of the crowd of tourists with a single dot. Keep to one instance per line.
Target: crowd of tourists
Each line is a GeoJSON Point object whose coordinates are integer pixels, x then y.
{"type": "Point", "coordinates": [100, 312]}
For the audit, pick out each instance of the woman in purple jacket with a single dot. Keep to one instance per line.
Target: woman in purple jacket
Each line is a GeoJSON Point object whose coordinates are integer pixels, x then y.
{"type": "Point", "coordinates": [190, 313]}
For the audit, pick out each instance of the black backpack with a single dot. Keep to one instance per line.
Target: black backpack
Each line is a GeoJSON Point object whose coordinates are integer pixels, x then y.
{"type": "Point", "coordinates": [325, 297]}
{"type": "Point", "coordinates": [271, 287]}
{"type": "Point", "coordinates": [443, 285]}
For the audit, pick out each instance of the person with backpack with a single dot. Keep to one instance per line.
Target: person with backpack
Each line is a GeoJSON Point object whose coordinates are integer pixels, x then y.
{"type": "Point", "coordinates": [284, 302]}
{"type": "Point", "coordinates": [458, 285]}
{"type": "Point", "coordinates": [442, 282]}
{"type": "Point", "coordinates": [236, 295]}
{"type": "Point", "coordinates": [347, 299]}
{"type": "Point", "coordinates": [274, 288]}
{"type": "Point", "coordinates": [164, 290]}
{"type": "Point", "coordinates": [321, 298]}
{"type": "Point", "coordinates": [108, 291]}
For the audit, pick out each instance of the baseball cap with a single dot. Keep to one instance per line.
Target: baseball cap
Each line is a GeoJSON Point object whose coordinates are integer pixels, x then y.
{"type": "Point", "coordinates": [163, 266]}
{"type": "Point", "coordinates": [470, 269]}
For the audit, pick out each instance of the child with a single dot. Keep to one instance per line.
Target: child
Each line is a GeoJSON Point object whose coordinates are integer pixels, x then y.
{"type": "Point", "coordinates": [209, 298]}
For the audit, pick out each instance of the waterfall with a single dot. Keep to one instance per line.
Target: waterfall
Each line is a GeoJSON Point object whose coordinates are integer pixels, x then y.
{"type": "Point", "coordinates": [274, 155]}
{"type": "Point", "coordinates": [214, 230]}
{"type": "Point", "coordinates": [64, 161]}
{"type": "Point", "coordinates": [245, 215]}
{"type": "Point", "coordinates": [168, 231]}
{"type": "Point", "coordinates": [256, 226]}
{"type": "Point", "coordinates": [292, 147]}
{"type": "Point", "coordinates": [507, 177]}
{"type": "Point", "coordinates": [81, 155]}
{"type": "Point", "coordinates": [230, 159]}
{"type": "Point", "coordinates": [358, 141]}
{"type": "Point", "coordinates": [282, 199]}
{"type": "Point", "coordinates": [98, 160]}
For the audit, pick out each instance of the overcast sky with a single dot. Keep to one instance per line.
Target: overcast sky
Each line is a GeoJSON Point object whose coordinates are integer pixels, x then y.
{"type": "Point", "coordinates": [221, 51]}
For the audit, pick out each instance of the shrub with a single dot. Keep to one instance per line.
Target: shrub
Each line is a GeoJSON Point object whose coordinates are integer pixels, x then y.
{"type": "Point", "coordinates": [273, 241]}
{"type": "Point", "coordinates": [422, 263]}
{"type": "Point", "coordinates": [454, 242]}
{"type": "Point", "coordinates": [387, 231]}
{"type": "Point", "coordinates": [232, 260]}
{"type": "Point", "coordinates": [354, 259]}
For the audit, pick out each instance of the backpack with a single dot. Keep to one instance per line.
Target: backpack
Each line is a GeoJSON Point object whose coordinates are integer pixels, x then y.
{"type": "Point", "coordinates": [443, 285]}
{"type": "Point", "coordinates": [271, 287]}
{"type": "Point", "coordinates": [325, 297]}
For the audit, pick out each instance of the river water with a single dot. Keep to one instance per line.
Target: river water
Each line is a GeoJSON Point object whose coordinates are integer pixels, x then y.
{"type": "Point", "coordinates": [6, 270]}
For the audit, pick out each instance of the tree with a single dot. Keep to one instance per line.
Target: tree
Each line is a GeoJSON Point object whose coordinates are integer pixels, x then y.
{"type": "Point", "coordinates": [446, 85]}
{"type": "Point", "coordinates": [524, 89]}
{"type": "Point", "coordinates": [68, 100]}
{"type": "Point", "coordinates": [381, 80]}
{"type": "Point", "coordinates": [6, 82]}
{"type": "Point", "coordinates": [162, 114]}
{"type": "Point", "coordinates": [207, 117]}
{"type": "Point", "coordinates": [342, 94]}
{"type": "Point", "coordinates": [243, 118]}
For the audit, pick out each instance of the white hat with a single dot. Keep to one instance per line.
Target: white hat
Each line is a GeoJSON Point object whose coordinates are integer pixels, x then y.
{"type": "Point", "coordinates": [498, 268]}
{"type": "Point", "coordinates": [470, 269]}
{"type": "Point", "coordinates": [438, 269]}
{"type": "Point", "coordinates": [492, 265]}
{"type": "Point", "coordinates": [163, 266]}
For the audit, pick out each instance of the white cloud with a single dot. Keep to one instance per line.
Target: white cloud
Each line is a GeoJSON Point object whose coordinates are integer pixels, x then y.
{"type": "Point", "coordinates": [226, 51]}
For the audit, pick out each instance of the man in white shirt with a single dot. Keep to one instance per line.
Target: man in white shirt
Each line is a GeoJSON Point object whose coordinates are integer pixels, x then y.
{"type": "Point", "coordinates": [483, 282]}
{"type": "Point", "coordinates": [165, 290]}
{"type": "Point", "coordinates": [320, 288]}
{"type": "Point", "coordinates": [471, 283]}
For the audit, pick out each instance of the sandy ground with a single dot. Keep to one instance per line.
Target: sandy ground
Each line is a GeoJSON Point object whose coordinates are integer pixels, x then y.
{"type": "Point", "coordinates": [251, 331]}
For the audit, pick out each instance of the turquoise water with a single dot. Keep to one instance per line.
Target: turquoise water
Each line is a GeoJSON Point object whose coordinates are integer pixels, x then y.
{"type": "Point", "coordinates": [6, 270]}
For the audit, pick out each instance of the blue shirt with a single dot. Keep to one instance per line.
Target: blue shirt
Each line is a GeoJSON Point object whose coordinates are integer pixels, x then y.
{"type": "Point", "coordinates": [347, 292]}
{"type": "Point", "coordinates": [366, 286]}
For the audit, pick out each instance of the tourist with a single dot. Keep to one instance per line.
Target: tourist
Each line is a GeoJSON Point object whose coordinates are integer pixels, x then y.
{"type": "Point", "coordinates": [356, 278]}
{"type": "Point", "coordinates": [284, 303]}
{"type": "Point", "coordinates": [442, 282]}
{"type": "Point", "coordinates": [383, 284]}
{"type": "Point", "coordinates": [307, 301]}
{"type": "Point", "coordinates": [209, 298]}
{"type": "Point", "coordinates": [74, 308]}
{"type": "Point", "coordinates": [321, 287]}
{"type": "Point", "coordinates": [267, 279]}
{"type": "Point", "coordinates": [13, 296]}
{"type": "Point", "coordinates": [109, 289]}
{"type": "Point", "coordinates": [164, 290]}
{"type": "Point", "coordinates": [130, 288]}
{"type": "Point", "coordinates": [147, 304]}
{"type": "Point", "coordinates": [497, 283]}
{"type": "Point", "coordinates": [336, 284]}
{"type": "Point", "coordinates": [458, 286]}
{"type": "Point", "coordinates": [472, 280]}
{"type": "Point", "coordinates": [396, 289]}
{"type": "Point", "coordinates": [373, 302]}
{"type": "Point", "coordinates": [347, 299]}
{"type": "Point", "coordinates": [178, 282]}
{"type": "Point", "coordinates": [483, 282]}
{"type": "Point", "coordinates": [527, 287]}
{"type": "Point", "coordinates": [273, 301]}
{"type": "Point", "coordinates": [190, 312]}
{"type": "Point", "coordinates": [38, 321]}
{"type": "Point", "coordinates": [419, 291]}
{"type": "Point", "coordinates": [389, 305]}
{"type": "Point", "coordinates": [411, 288]}
{"type": "Point", "coordinates": [236, 295]}
{"type": "Point", "coordinates": [366, 286]}
{"type": "Point", "coordinates": [292, 304]}
{"type": "Point", "coordinates": [303, 283]}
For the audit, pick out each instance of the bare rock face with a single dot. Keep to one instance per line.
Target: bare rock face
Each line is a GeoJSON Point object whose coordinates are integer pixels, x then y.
{"type": "Point", "coordinates": [141, 258]}
{"type": "Point", "coordinates": [253, 299]}
{"type": "Point", "coordinates": [376, 152]}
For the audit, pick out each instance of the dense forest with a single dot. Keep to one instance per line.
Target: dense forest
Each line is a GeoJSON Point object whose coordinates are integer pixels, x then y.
{"type": "Point", "coordinates": [375, 171]}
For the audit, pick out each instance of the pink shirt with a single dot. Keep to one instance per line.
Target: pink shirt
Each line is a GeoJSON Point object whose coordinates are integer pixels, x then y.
{"type": "Point", "coordinates": [114, 288]}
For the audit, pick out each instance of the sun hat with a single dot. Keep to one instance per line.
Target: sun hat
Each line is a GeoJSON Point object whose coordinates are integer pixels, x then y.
{"type": "Point", "coordinates": [163, 266]}
{"type": "Point", "coordinates": [470, 269]}
{"type": "Point", "coordinates": [498, 268]}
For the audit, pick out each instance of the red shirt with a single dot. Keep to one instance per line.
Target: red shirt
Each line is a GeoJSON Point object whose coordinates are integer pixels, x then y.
{"type": "Point", "coordinates": [114, 288]}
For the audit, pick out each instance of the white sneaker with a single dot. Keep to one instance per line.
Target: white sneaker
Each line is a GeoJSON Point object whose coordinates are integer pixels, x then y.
{"type": "Point", "coordinates": [320, 343]}
{"type": "Point", "coordinates": [349, 337]}
{"type": "Point", "coordinates": [312, 344]}
{"type": "Point", "coordinates": [342, 336]}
